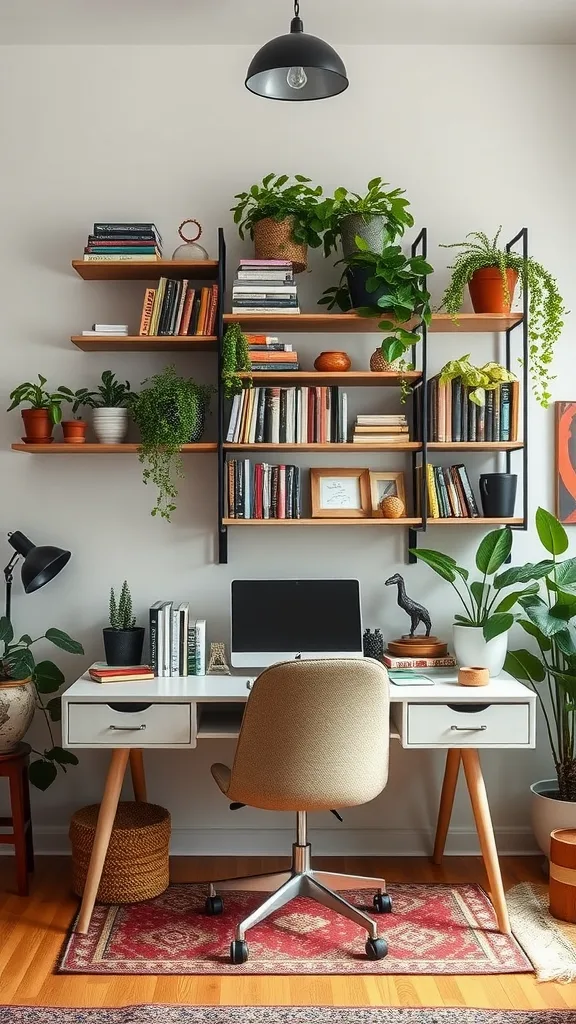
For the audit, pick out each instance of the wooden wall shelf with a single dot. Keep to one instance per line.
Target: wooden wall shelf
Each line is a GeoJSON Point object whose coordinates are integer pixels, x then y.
{"type": "Point", "coordinates": [475, 446]}
{"type": "Point", "coordinates": [350, 323]}
{"type": "Point", "coordinates": [478, 521]}
{"type": "Point", "coordinates": [322, 522]}
{"type": "Point", "coordinates": [332, 446]}
{"type": "Point", "coordinates": [131, 270]}
{"type": "Point", "coordinates": [313, 378]}
{"type": "Point", "coordinates": [162, 343]}
{"type": "Point", "coordinates": [57, 448]}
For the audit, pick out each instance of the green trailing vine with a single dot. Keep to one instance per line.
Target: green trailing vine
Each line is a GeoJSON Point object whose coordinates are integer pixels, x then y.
{"type": "Point", "coordinates": [170, 413]}
{"type": "Point", "coordinates": [545, 304]}
{"type": "Point", "coordinates": [235, 360]}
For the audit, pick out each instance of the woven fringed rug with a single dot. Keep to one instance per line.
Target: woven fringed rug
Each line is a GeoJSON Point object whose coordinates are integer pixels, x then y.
{"type": "Point", "coordinates": [278, 1015]}
{"type": "Point", "coordinates": [550, 944]}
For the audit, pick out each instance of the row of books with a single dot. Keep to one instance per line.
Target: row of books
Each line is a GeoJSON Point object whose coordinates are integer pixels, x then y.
{"type": "Point", "coordinates": [177, 642]}
{"type": "Point", "coordinates": [453, 417]}
{"type": "Point", "coordinates": [380, 429]}
{"type": "Point", "coordinates": [177, 308]}
{"type": "Point", "coordinates": [267, 352]}
{"type": "Point", "coordinates": [265, 286]}
{"type": "Point", "coordinates": [261, 491]}
{"type": "Point", "coordinates": [450, 494]}
{"type": "Point", "coordinates": [299, 415]}
{"type": "Point", "coordinates": [126, 241]}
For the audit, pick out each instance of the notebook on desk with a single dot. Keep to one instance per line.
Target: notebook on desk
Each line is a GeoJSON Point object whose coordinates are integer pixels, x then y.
{"type": "Point", "coordinates": [407, 677]}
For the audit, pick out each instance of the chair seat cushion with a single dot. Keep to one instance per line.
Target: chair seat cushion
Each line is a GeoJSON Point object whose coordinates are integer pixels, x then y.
{"type": "Point", "coordinates": [222, 775]}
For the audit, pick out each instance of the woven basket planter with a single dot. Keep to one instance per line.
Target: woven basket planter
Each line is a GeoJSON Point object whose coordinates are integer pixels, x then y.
{"type": "Point", "coordinates": [136, 865]}
{"type": "Point", "coordinates": [273, 241]}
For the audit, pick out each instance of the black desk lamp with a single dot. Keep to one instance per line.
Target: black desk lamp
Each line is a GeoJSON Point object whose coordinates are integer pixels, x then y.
{"type": "Point", "coordinates": [40, 565]}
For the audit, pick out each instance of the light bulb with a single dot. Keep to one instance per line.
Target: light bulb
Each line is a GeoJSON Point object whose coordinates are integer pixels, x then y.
{"type": "Point", "coordinates": [296, 78]}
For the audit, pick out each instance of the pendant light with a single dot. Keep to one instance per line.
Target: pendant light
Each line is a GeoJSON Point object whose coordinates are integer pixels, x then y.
{"type": "Point", "coordinates": [296, 66]}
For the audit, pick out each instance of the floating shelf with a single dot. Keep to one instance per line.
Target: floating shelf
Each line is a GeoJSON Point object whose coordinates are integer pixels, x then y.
{"type": "Point", "coordinates": [136, 343]}
{"type": "Point", "coordinates": [353, 378]}
{"type": "Point", "coordinates": [322, 522]}
{"type": "Point", "coordinates": [132, 270]}
{"type": "Point", "coordinates": [475, 521]}
{"type": "Point", "coordinates": [350, 323]}
{"type": "Point", "coordinates": [57, 448]}
{"type": "Point", "coordinates": [329, 446]}
{"type": "Point", "coordinates": [475, 446]}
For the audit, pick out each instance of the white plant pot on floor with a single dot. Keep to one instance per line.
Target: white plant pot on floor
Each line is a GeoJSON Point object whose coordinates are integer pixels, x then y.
{"type": "Point", "coordinates": [110, 425]}
{"type": "Point", "coordinates": [548, 813]}
{"type": "Point", "coordinates": [472, 649]}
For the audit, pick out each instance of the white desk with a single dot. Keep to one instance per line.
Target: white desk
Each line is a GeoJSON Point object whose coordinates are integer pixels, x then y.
{"type": "Point", "coordinates": [128, 718]}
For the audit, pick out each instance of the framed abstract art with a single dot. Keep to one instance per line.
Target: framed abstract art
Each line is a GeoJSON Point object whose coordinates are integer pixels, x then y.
{"type": "Point", "coordinates": [566, 462]}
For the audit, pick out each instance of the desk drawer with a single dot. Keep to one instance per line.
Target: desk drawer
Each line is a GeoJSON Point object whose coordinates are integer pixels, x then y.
{"type": "Point", "coordinates": [471, 725]}
{"type": "Point", "coordinates": [151, 725]}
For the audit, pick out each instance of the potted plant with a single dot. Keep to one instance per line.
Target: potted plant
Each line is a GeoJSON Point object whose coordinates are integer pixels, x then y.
{"type": "Point", "coordinates": [23, 684]}
{"type": "Point", "coordinates": [282, 216]}
{"type": "Point", "coordinates": [235, 360]}
{"type": "Point", "coordinates": [481, 634]}
{"type": "Point", "coordinates": [44, 412]}
{"type": "Point", "coordinates": [378, 217]}
{"type": "Point", "coordinates": [479, 378]}
{"type": "Point", "coordinates": [123, 639]}
{"type": "Point", "coordinates": [491, 275]}
{"type": "Point", "coordinates": [74, 430]}
{"type": "Point", "coordinates": [110, 417]}
{"type": "Point", "coordinates": [169, 413]}
{"type": "Point", "coordinates": [549, 619]}
{"type": "Point", "coordinates": [380, 283]}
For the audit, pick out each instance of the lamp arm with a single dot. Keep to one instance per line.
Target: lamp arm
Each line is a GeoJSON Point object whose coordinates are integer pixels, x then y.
{"type": "Point", "coordinates": [8, 580]}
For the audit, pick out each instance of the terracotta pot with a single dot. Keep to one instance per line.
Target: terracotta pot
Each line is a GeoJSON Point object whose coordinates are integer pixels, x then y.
{"type": "Point", "coordinates": [17, 706]}
{"type": "Point", "coordinates": [37, 425]}
{"type": "Point", "coordinates": [333, 362]}
{"type": "Point", "coordinates": [487, 290]}
{"type": "Point", "coordinates": [273, 241]}
{"type": "Point", "coordinates": [549, 812]}
{"type": "Point", "coordinates": [74, 431]}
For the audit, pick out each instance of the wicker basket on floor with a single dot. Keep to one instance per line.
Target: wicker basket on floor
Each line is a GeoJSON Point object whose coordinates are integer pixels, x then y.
{"type": "Point", "coordinates": [136, 865]}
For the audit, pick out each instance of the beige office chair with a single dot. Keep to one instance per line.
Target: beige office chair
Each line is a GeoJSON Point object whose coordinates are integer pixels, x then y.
{"type": "Point", "coordinates": [314, 737]}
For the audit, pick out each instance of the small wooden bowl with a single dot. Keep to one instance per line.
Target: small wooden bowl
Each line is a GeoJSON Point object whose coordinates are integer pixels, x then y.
{"type": "Point", "coordinates": [473, 675]}
{"type": "Point", "coordinates": [418, 647]}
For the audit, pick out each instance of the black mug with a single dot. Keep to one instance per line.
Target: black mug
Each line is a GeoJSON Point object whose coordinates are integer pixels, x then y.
{"type": "Point", "coordinates": [498, 494]}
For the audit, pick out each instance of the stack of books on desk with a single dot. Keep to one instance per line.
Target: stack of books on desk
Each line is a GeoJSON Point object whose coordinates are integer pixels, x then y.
{"type": "Point", "coordinates": [101, 672]}
{"type": "Point", "coordinates": [265, 286]}
{"type": "Point", "coordinates": [177, 642]}
{"type": "Point", "coordinates": [269, 353]}
{"type": "Point", "coordinates": [126, 241]}
{"type": "Point", "coordinates": [381, 429]}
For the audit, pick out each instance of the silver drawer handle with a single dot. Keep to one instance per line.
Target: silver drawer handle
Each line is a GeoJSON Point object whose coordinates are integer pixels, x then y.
{"type": "Point", "coordinates": [127, 728]}
{"type": "Point", "coordinates": [468, 728]}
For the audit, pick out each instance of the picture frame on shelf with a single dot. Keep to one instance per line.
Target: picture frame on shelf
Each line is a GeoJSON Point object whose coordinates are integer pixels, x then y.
{"type": "Point", "coordinates": [340, 493]}
{"type": "Point", "coordinates": [385, 484]}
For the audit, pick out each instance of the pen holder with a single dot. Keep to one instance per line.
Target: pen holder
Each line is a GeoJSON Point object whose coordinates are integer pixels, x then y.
{"type": "Point", "coordinates": [473, 676]}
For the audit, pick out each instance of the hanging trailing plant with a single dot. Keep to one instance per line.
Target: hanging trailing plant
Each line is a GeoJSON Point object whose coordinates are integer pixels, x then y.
{"type": "Point", "coordinates": [170, 413]}
{"type": "Point", "coordinates": [235, 360]}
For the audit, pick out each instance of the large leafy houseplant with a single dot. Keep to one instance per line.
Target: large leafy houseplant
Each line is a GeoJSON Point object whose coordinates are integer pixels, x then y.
{"type": "Point", "coordinates": [170, 412]}
{"type": "Point", "coordinates": [17, 662]}
{"type": "Point", "coordinates": [479, 378]}
{"type": "Point", "coordinates": [280, 197]}
{"type": "Point", "coordinates": [37, 397]}
{"type": "Point", "coordinates": [390, 210]}
{"type": "Point", "coordinates": [545, 304]}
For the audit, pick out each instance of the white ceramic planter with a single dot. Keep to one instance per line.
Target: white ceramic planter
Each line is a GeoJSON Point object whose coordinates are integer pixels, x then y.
{"type": "Point", "coordinates": [110, 425]}
{"type": "Point", "coordinates": [548, 814]}
{"type": "Point", "coordinates": [472, 649]}
{"type": "Point", "coordinates": [17, 706]}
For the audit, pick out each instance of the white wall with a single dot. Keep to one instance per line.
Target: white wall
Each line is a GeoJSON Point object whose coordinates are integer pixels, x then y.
{"type": "Point", "coordinates": [478, 136]}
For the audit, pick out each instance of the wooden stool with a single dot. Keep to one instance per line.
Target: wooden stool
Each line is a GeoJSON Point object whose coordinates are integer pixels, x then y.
{"type": "Point", "coordinates": [14, 767]}
{"type": "Point", "coordinates": [563, 874]}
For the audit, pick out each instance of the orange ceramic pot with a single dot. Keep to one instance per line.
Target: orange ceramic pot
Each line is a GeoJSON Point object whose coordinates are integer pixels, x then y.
{"type": "Point", "coordinates": [487, 290]}
{"type": "Point", "coordinates": [37, 425]}
{"type": "Point", "coordinates": [333, 362]}
{"type": "Point", "coordinates": [74, 431]}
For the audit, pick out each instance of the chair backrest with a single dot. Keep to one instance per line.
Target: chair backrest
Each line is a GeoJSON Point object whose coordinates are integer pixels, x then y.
{"type": "Point", "coordinates": [315, 735]}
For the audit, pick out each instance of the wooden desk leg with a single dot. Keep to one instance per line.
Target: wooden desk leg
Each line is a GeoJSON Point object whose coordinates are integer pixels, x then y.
{"type": "Point", "coordinates": [138, 775]}
{"type": "Point", "coordinates": [481, 809]}
{"type": "Point", "coordinates": [446, 803]}
{"type": "Point", "coordinates": [108, 807]}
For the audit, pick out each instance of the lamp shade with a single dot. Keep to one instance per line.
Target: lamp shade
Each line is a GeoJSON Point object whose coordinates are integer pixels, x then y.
{"type": "Point", "coordinates": [41, 564]}
{"type": "Point", "coordinates": [296, 66]}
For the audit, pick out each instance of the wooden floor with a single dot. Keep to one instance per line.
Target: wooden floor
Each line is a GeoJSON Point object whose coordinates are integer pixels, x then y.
{"type": "Point", "coordinates": [32, 931]}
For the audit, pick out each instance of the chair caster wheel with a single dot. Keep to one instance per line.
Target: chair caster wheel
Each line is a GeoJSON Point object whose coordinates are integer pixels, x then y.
{"type": "Point", "coordinates": [238, 951]}
{"type": "Point", "coordinates": [213, 906]}
{"type": "Point", "coordinates": [376, 949]}
{"type": "Point", "coordinates": [382, 903]}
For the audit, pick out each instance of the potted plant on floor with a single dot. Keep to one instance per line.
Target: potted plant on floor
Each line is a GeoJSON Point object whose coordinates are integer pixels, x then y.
{"type": "Point", "coordinates": [481, 633]}
{"type": "Point", "coordinates": [235, 360]}
{"type": "Point", "coordinates": [123, 639]}
{"type": "Point", "coordinates": [282, 216]}
{"type": "Point", "coordinates": [169, 413]}
{"type": "Point", "coordinates": [110, 417]}
{"type": "Point", "coordinates": [378, 217]}
{"type": "Point", "coordinates": [23, 685]}
{"type": "Point", "coordinates": [74, 430]}
{"type": "Point", "coordinates": [491, 275]}
{"type": "Point", "coordinates": [549, 619]}
{"type": "Point", "coordinates": [44, 412]}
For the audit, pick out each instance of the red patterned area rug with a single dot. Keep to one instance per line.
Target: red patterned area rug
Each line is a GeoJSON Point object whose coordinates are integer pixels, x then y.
{"type": "Point", "coordinates": [278, 1015]}
{"type": "Point", "coordinates": [433, 929]}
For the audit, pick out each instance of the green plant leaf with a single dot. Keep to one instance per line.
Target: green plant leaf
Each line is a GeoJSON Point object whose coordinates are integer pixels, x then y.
{"type": "Point", "coordinates": [54, 709]}
{"type": "Point", "coordinates": [48, 677]}
{"type": "Point", "coordinates": [61, 639]}
{"type": "Point", "coordinates": [525, 666]}
{"type": "Point", "coordinates": [523, 574]}
{"type": "Point", "coordinates": [511, 599]}
{"type": "Point", "coordinates": [392, 349]}
{"type": "Point", "coordinates": [61, 756]}
{"type": "Point", "coordinates": [443, 565]}
{"type": "Point", "coordinates": [6, 631]}
{"type": "Point", "coordinates": [538, 612]}
{"type": "Point", "coordinates": [565, 640]}
{"type": "Point", "coordinates": [42, 774]}
{"type": "Point", "coordinates": [552, 534]}
{"type": "Point", "coordinates": [567, 682]}
{"type": "Point", "coordinates": [477, 589]}
{"type": "Point", "coordinates": [493, 550]}
{"type": "Point", "coordinates": [497, 623]}
{"type": "Point", "coordinates": [529, 627]}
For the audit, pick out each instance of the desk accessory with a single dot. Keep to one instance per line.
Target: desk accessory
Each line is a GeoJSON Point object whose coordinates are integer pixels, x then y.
{"type": "Point", "coordinates": [333, 362]}
{"type": "Point", "coordinates": [41, 564]}
{"type": "Point", "coordinates": [217, 664]}
{"type": "Point", "coordinates": [405, 677]}
{"type": "Point", "coordinates": [340, 493]}
{"type": "Point", "coordinates": [191, 250]}
{"type": "Point", "coordinates": [123, 639]}
{"type": "Point", "coordinates": [473, 676]}
{"type": "Point", "coordinates": [385, 485]}
{"type": "Point", "coordinates": [498, 494]}
{"type": "Point", "coordinates": [392, 508]}
{"type": "Point", "coordinates": [103, 673]}
{"type": "Point", "coordinates": [373, 644]}
{"type": "Point", "coordinates": [409, 645]}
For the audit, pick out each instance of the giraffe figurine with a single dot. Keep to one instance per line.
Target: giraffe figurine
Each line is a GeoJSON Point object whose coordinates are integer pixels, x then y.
{"type": "Point", "coordinates": [417, 612]}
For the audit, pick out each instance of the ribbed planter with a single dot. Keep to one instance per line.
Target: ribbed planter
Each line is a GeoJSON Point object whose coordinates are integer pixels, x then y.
{"type": "Point", "coordinates": [549, 813]}
{"type": "Point", "coordinates": [486, 287]}
{"type": "Point", "coordinates": [110, 425]}
{"type": "Point", "coordinates": [123, 646]}
{"type": "Point", "coordinates": [17, 706]}
{"type": "Point", "coordinates": [471, 648]}
{"type": "Point", "coordinates": [273, 241]}
{"type": "Point", "coordinates": [371, 228]}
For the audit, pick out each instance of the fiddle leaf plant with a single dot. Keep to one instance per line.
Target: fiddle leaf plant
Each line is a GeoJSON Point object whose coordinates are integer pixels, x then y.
{"type": "Point", "coordinates": [280, 197]}
{"type": "Point", "coordinates": [17, 663]}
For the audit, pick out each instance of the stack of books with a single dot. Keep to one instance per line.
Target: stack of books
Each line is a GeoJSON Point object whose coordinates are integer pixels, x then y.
{"type": "Point", "coordinates": [380, 429]}
{"type": "Point", "coordinates": [177, 642]}
{"type": "Point", "coordinates": [265, 286]}
{"type": "Point", "coordinates": [394, 661]}
{"type": "Point", "coordinates": [263, 492]}
{"type": "Point", "coordinates": [450, 494]}
{"type": "Point", "coordinates": [269, 353]}
{"type": "Point", "coordinates": [299, 415]}
{"type": "Point", "coordinates": [453, 417]}
{"type": "Point", "coordinates": [101, 672]}
{"type": "Point", "coordinates": [130, 241]}
{"type": "Point", "coordinates": [177, 308]}
{"type": "Point", "coordinates": [103, 330]}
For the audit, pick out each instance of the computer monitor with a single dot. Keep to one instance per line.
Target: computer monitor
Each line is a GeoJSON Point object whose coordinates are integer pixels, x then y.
{"type": "Point", "coordinates": [280, 620]}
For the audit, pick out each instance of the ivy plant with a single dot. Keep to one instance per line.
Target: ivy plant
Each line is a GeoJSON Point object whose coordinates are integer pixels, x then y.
{"type": "Point", "coordinates": [17, 662]}
{"type": "Point", "coordinates": [375, 202]}
{"type": "Point", "coordinates": [279, 197]}
{"type": "Point", "coordinates": [235, 360]}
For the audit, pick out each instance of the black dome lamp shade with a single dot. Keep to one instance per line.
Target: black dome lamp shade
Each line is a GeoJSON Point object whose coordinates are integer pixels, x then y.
{"type": "Point", "coordinates": [41, 564]}
{"type": "Point", "coordinates": [296, 66]}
